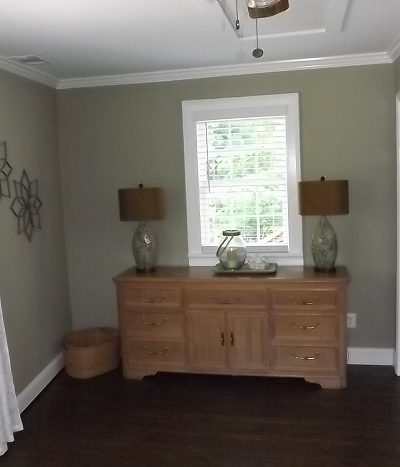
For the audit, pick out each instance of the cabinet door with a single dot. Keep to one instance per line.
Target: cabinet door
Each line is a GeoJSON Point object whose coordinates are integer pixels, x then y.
{"type": "Point", "coordinates": [206, 339]}
{"type": "Point", "coordinates": [247, 341]}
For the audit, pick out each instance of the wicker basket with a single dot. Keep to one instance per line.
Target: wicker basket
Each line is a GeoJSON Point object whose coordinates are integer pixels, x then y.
{"type": "Point", "coordinates": [91, 352]}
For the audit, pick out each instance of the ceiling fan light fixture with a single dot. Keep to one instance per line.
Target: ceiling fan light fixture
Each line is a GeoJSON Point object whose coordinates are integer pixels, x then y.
{"type": "Point", "coordinates": [266, 8]}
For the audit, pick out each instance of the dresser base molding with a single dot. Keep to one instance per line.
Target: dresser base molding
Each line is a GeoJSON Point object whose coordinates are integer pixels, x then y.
{"type": "Point", "coordinates": [324, 382]}
{"type": "Point", "coordinates": [137, 374]}
{"type": "Point", "coordinates": [328, 383]}
{"type": "Point", "coordinates": [187, 320]}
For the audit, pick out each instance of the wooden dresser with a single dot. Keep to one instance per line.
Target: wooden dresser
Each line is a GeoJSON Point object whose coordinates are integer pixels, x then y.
{"type": "Point", "coordinates": [186, 319]}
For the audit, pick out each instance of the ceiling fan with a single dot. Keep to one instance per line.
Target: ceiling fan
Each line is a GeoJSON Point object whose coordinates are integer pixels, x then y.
{"type": "Point", "coordinates": [257, 9]}
{"type": "Point", "coordinates": [261, 9]}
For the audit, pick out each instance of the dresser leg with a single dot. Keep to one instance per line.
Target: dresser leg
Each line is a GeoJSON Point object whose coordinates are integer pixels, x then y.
{"type": "Point", "coordinates": [137, 374]}
{"type": "Point", "coordinates": [327, 382]}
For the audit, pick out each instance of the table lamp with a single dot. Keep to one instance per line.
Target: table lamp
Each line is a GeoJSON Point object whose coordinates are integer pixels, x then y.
{"type": "Point", "coordinates": [142, 204]}
{"type": "Point", "coordinates": [323, 198]}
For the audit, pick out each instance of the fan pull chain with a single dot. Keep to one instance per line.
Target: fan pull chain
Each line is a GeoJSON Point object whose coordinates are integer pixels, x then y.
{"type": "Point", "coordinates": [237, 23]}
{"type": "Point", "coordinates": [257, 52]}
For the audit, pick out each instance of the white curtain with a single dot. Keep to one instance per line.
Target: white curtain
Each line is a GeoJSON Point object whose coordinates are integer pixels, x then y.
{"type": "Point", "coordinates": [10, 420]}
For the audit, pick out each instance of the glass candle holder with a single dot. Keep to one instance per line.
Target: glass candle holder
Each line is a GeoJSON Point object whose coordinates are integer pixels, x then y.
{"type": "Point", "coordinates": [232, 250]}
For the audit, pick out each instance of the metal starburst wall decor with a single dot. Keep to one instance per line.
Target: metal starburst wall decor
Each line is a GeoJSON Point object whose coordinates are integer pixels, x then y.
{"type": "Point", "coordinates": [26, 205]}
{"type": "Point", "coordinates": [5, 171]}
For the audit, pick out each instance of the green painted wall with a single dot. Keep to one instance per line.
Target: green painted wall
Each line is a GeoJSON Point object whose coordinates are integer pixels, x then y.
{"type": "Point", "coordinates": [33, 276]}
{"type": "Point", "coordinates": [115, 137]}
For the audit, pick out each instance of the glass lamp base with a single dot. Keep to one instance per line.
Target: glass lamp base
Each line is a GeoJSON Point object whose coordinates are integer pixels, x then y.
{"type": "Point", "coordinates": [324, 246]}
{"type": "Point", "coordinates": [144, 246]}
{"type": "Point", "coordinates": [145, 271]}
{"type": "Point", "coordinates": [316, 269]}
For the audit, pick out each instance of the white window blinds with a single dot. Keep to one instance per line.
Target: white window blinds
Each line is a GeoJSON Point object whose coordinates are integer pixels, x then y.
{"type": "Point", "coordinates": [242, 176]}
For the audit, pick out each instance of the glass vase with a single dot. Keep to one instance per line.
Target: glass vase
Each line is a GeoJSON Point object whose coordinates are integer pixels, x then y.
{"type": "Point", "coordinates": [324, 246]}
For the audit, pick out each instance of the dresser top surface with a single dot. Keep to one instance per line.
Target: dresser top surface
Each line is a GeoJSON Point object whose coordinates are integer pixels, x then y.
{"type": "Point", "coordinates": [189, 273]}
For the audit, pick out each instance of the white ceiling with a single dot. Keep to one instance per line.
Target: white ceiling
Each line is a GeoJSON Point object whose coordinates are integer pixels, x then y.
{"type": "Point", "coordinates": [89, 42]}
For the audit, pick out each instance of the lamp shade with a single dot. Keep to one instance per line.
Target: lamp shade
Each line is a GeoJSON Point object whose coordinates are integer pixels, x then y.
{"type": "Point", "coordinates": [141, 204]}
{"type": "Point", "coordinates": [324, 197]}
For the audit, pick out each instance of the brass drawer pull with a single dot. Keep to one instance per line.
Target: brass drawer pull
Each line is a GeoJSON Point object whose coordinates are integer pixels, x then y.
{"type": "Point", "coordinates": [226, 301]}
{"type": "Point", "coordinates": [153, 300]}
{"type": "Point", "coordinates": [154, 323]}
{"type": "Point", "coordinates": [222, 339]}
{"type": "Point", "coordinates": [155, 352]}
{"type": "Point", "coordinates": [304, 327]}
{"type": "Point", "coordinates": [307, 357]}
{"type": "Point", "coordinates": [304, 302]}
{"type": "Point", "coordinates": [232, 339]}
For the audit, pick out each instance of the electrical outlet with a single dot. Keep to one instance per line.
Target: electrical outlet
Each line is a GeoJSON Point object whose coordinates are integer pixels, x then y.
{"type": "Point", "coordinates": [351, 320]}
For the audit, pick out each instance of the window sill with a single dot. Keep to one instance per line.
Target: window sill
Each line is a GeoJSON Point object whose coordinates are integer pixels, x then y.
{"type": "Point", "coordinates": [283, 259]}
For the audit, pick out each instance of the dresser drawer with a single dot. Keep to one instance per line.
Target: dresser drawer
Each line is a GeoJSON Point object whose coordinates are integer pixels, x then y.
{"type": "Point", "coordinates": [305, 358]}
{"type": "Point", "coordinates": [305, 327]}
{"type": "Point", "coordinates": [158, 353]}
{"type": "Point", "coordinates": [227, 297]}
{"type": "Point", "coordinates": [152, 325]}
{"type": "Point", "coordinates": [151, 297]}
{"type": "Point", "coordinates": [304, 298]}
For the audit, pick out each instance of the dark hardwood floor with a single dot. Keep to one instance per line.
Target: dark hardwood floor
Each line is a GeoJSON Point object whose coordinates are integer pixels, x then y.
{"type": "Point", "coordinates": [194, 421]}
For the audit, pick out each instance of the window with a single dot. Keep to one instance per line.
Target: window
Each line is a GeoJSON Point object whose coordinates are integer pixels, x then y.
{"type": "Point", "coordinates": [242, 164]}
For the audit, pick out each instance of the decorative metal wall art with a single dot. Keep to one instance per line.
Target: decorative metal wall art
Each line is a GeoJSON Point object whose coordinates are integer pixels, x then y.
{"type": "Point", "coordinates": [26, 205]}
{"type": "Point", "coordinates": [5, 171]}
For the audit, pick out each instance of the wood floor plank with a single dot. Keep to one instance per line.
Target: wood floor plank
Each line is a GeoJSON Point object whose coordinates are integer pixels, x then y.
{"type": "Point", "coordinates": [173, 420]}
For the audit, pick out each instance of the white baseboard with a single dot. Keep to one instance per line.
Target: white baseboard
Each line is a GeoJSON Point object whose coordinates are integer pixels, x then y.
{"type": "Point", "coordinates": [29, 394]}
{"type": "Point", "coordinates": [367, 356]}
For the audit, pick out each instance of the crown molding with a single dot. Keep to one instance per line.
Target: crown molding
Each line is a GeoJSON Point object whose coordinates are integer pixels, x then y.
{"type": "Point", "coordinates": [28, 72]}
{"type": "Point", "coordinates": [206, 72]}
{"type": "Point", "coordinates": [226, 70]}
{"type": "Point", "coordinates": [394, 49]}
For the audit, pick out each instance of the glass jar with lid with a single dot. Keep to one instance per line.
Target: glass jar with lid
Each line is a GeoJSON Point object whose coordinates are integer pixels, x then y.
{"type": "Point", "coordinates": [232, 250]}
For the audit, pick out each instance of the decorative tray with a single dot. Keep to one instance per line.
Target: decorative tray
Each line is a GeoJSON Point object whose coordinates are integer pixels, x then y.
{"type": "Point", "coordinates": [245, 269]}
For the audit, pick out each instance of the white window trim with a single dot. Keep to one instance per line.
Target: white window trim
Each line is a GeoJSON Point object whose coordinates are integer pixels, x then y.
{"type": "Point", "coordinates": [242, 107]}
